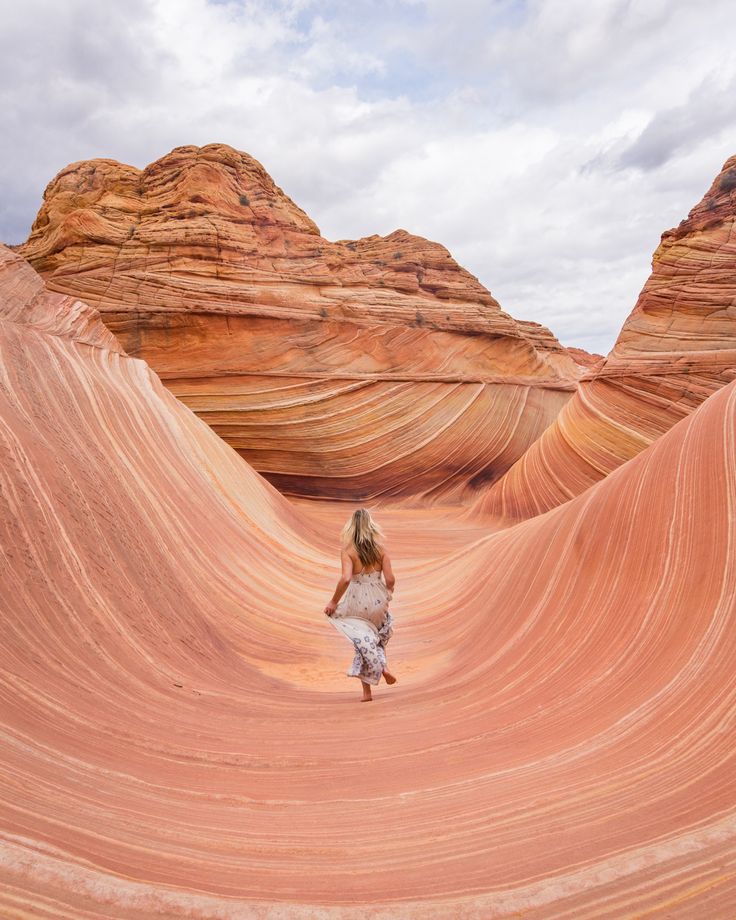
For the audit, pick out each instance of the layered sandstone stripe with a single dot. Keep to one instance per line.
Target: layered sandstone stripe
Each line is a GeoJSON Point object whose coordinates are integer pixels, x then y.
{"type": "Point", "coordinates": [178, 738]}
{"type": "Point", "coordinates": [367, 368]}
{"type": "Point", "coordinates": [676, 348]}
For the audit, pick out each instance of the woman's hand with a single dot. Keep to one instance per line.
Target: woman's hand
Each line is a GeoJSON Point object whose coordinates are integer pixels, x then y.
{"type": "Point", "coordinates": [330, 608]}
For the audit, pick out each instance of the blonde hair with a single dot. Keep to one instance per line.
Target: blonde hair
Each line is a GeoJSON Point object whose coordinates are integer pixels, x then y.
{"type": "Point", "coordinates": [361, 531]}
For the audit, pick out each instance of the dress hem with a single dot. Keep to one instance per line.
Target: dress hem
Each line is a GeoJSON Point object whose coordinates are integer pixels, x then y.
{"type": "Point", "coordinates": [373, 683]}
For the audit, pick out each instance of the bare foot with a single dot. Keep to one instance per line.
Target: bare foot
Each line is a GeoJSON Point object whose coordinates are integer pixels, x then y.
{"type": "Point", "coordinates": [366, 699]}
{"type": "Point", "coordinates": [389, 677]}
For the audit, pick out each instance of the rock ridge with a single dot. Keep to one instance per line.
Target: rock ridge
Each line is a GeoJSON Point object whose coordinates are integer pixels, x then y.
{"type": "Point", "coordinates": [202, 266]}
{"type": "Point", "coordinates": [677, 347]}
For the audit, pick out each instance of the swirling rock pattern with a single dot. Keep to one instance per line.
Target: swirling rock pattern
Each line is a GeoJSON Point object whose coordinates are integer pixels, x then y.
{"type": "Point", "coordinates": [676, 348]}
{"type": "Point", "coordinates": [178, 739]}
{"type": "Point", "coordinates": [366, 368]}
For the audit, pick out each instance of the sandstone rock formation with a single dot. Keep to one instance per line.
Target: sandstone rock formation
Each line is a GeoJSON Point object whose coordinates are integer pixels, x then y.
{"type": "Point", "coordinates": [676, 348]}
{"type": "Point", "coordinates": [358, 369]}
{"type": "Point", "coordinates": [178, 739]}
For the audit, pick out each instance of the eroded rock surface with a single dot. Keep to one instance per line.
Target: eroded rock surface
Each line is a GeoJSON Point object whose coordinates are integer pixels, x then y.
{"type": "Point", "coordinates": [361, 368]}
{"type": "Point", "coordinates": [677, 347]}
{"type": "Point", "coordinates": [178, 735]}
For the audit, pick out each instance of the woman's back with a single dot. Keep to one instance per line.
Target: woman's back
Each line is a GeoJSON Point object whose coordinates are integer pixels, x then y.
{"type": "Point", "coordinates": [360, 568]}
{"type": "Point", "coordinates": [367, 596]}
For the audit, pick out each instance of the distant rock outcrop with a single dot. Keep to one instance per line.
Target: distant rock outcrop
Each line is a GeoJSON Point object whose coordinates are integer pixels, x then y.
{"type": "Point", "coordinates": [356, 368]}
{"type": "Point", "coordinates": [676, 348]}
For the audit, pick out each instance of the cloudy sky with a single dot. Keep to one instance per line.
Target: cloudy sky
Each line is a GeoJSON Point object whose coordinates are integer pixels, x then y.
{"type": "Point", "coordinates": [546, 143]}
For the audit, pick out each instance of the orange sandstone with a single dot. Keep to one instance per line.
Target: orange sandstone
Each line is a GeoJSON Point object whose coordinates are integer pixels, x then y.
{"type": "Point", "coordinates": [364, 368]}
{"type": "Point", "coordinates": [178, 739]}
{"type": "Point", "coordinates": [677, 347]}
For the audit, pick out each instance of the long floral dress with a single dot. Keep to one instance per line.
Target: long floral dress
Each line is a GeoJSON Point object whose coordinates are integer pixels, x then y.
{"type": "Point", "coordinates": [363, 616]}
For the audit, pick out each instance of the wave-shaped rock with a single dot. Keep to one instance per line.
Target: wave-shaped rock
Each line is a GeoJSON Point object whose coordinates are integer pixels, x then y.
{"type": "Point", "coordinates": [676, 348]}
{"type": "Point", "coordinates": [178, 739]}
{"type": "Point", "coordinates": [356, 368]}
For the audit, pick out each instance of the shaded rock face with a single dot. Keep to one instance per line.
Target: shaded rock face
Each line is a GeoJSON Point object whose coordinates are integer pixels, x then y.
{"type": "Point", "coordinates": [677, 347]}
{"type": "Point", "coordinates": [178, 739]}
{"type": "Point", "coordinates": [357, 369]}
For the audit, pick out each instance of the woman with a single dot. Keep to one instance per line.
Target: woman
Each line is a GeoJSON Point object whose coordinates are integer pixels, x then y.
{"type": "Point", "coordinates": [359, 606]}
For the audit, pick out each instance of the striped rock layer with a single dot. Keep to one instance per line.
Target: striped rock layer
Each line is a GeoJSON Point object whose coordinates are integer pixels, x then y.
{"type": "Point", "coordinates": [361, 368]}
{"type": "Point", "coordinates": [677, 347]}
{"type": "Point", "coordinates": [178, 738]}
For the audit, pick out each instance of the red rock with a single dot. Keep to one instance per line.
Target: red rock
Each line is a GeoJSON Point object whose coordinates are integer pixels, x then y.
{"type": "Point", "coordinates": [585, 358]}
{"type": "Point", "coordinates": [677, 347]}
{"type": "Point", "coordinates": [178, 738]}
{"type": "Point", "coordinates": [367, 368]}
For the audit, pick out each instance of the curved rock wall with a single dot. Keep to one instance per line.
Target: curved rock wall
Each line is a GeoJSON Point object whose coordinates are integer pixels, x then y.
{"type": "Point", "coordinates": [203, 267]}
{"type": "Point", "coordinates": [676, 348]}
{"type": "Point", "coordinates": [178, 738]}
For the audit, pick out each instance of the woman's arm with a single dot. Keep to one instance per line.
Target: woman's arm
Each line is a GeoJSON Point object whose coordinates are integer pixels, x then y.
{"type": "Point", "coordinates": [342, 583]}
{"type": "Point", "coordinates": [388, 572]}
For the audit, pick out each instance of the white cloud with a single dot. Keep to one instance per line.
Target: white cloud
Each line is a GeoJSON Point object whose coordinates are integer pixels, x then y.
{"type": "Point", "coordinates": [547, 144]}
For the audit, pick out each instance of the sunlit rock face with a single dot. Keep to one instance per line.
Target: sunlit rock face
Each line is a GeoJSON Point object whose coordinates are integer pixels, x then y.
{"type": "Point", "coordinates": [365, 369]}
{"type": "Point", "coordinates": [178, 738]}
{"type": "Point", "coordinates": [676, 348]}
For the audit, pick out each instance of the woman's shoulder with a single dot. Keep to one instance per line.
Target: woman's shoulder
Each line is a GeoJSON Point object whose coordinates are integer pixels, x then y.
{"type": "Point", "coordinates": [349, 552]}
